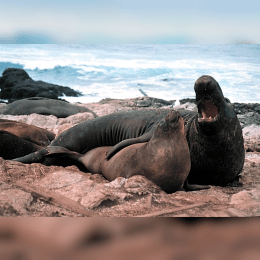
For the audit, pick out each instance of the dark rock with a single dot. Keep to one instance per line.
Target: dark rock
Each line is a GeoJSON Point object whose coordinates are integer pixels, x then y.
{"type": "Point", "coordinates": [7, 210]}
{"type": "Point", "coordinates": [151, 102]}
{"type": "Point", "coordinates": [17, 84]}
{"type": "Point", "coordinates": [187, 100]}
{"type": "Point", "coordinates": [249, 118]}
{"type": "Point", "coordinates": [48, 94]}
{"type": "Point", "coordinates": [243, 108]}
{"type": "Point", "coordinates": [140, 102]}
{"type": "Point", "coordinates": [106, 100]}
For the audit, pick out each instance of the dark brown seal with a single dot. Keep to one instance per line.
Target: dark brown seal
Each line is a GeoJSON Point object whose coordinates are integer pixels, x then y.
{"type": "Point", "coordinates": [165, 159]}
{"type": "Point", "coordinates": [12, 146]}
{"type": "Point", "coordinates": [215, 136]}
{"type": "Point", "coordinates": [30, 133]}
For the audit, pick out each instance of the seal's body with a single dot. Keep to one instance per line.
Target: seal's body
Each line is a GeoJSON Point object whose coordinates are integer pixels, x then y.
{"type": "Point", "coordinates": [12, 146]}
{"type": "Point", "coordinates": [30, 133]}
{"type": "Point", "coordinates": [43, 106]}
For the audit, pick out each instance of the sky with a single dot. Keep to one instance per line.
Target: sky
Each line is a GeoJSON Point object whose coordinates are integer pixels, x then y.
{"type": "Point", "coordinates": [131, 21]}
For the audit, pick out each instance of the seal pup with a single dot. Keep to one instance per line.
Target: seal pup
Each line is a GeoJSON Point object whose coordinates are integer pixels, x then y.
{"type": "Point", "coordinates": [165, 159]}
{"type": "Point", "coordinates": [12, 146]}
{"type": "Point", "coordinates": [30, 133]}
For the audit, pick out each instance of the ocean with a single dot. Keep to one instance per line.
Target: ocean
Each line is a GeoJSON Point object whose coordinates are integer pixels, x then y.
{"type": "Point", "coordinates": [120, 71]}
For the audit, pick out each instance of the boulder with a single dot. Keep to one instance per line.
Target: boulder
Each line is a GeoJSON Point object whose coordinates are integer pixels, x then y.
{"type": "Point", "coordinates": [17, 84]}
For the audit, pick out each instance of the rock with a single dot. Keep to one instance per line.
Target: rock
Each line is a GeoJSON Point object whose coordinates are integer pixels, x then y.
{"type": "Point", "coordinates": [102, 193]}
{"type": "Point", "coordinates": [187, 106]}
{"type": "Point", "coordinates": [141, 185]}
{"type": "Point", "coordinates": [247, 200]}
{"type": "Point", "coordinates": [140, 102]}
{"type": "Point", "coordinates": [13, 201]}
{"type": "Point", "coordinates": [47, 122]}
{"type": "Point", "coordinates": [249, 118]}
{"type": "Point", "coordinates": [17, 84]}
{"type": "Point", "coordinates": [251, 136]}
{"type": "Point", "coordinates": [188, 100]}
{"type": "Point", "coordinates": [252, 133]}
{"type": "Point", "coordinates": [76, 119]}
{"type": "Point", "coordinates": [91, 194]}
{"type": "Point", "coordinates": [243, 108]}
{"type": "Point", "coordinates": [71, 184]}
{"type": "Point", "coordinates": [253, 158]}
{"type": "Point", "coordinates": [50, 122]}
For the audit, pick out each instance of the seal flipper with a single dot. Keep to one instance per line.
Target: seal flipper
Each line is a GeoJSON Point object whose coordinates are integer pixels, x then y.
{"type": "Point", "coordinates": [193, 187]}
{"type": "Point", "coordinates": [61, 151]}
{"type": "Point", "coordinates": [36, 157]}
{"type": "Point", "coordinates": [141, 139]}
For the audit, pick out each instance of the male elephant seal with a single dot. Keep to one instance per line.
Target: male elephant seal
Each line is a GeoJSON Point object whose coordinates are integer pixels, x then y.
{"type": "Point", "coordinates": [43, 106]}
{"type": "Point", "coordinates": [165, 159]}
{"type": "Point", "coordinates": [30, 133]}
{"type": "Point", "coordinates": [12, 146]}
{"type": "Point", "coordinates": [214, 135]}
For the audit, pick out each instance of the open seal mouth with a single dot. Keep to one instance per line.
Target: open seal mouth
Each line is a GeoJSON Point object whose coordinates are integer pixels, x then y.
{"type": "Point", "coordinates": [208, 112]}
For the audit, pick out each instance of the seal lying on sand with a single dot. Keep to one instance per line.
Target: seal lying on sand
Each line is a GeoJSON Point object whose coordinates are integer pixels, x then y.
{"type": "Point", "coordinates": [214, 135]}
{"type": "Point", "coordinates": [30, 133]}
{"type": "Point", "coordinates": [165, 159]}
{"type": "Point", "coordinates": [12, 146]}
{"type": "Point", "coordinates": [43, 106]}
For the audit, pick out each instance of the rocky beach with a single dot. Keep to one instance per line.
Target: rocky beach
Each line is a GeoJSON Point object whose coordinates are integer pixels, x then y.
{"type": "Point", "coordinates": [38, 190]}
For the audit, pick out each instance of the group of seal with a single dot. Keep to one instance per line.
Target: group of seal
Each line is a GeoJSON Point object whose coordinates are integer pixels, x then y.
{"type": "Point", "coordinates": [213, 135]}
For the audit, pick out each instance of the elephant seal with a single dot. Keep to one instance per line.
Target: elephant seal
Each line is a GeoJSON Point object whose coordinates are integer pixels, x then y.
{"type": "Point", "coordinates": [12, 146]}
{"type": "Point", "coordinates": [30, 133]}
{"type": "Point", "coordinates": [214, 135]}
{"type": "Point", "coordinates": [43, 106]}
{"type": "Point", "coordinates": [165, 159]}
